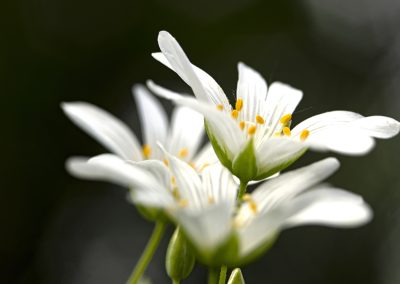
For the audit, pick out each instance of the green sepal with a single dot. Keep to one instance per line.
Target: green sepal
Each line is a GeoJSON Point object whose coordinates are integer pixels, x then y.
{"type": "Point", "coordinates": [219, 151]}
{"type": "Point", "coordinates": [263, 174]}
{"type": "Point", "coordinates": [244, 165]}
{"type": "Point", "coordinates": [180, 259]}
{"type": "Point", "coordinates": [236, 277]}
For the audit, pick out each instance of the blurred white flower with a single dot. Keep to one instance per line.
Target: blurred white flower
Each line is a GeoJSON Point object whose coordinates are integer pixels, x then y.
{"type": "Point", "coordinates": [182, 138]}
{"type": "Point", "coordinates": [256, 133]}
{"type": "Point", "coordinates": [205, 205]}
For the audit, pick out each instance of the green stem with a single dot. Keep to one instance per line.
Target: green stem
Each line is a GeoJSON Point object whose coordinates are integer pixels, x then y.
{"type": "Point", "coordinates": [222, 274]}
{"type": "Point", "coordinates": [242, 190]}
{"type": "Point", "coordinates": [148, 253]}
{"type": "Point", "coordinates": [212, 275]}
{"type": "Point", "coordinates": [175, 281]}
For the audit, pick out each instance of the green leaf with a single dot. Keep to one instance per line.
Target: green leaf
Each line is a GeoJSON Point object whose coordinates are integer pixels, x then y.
{"type": "Point", "coordinates": [180, 259]}
{"type": "Point", "coordinates": [245, 165]}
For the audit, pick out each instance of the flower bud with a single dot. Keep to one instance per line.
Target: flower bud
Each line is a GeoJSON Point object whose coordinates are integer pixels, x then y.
{"type": "Point", "coordinates": [180, 259]}
{"type": "Point", "coordinates": [236, 277]}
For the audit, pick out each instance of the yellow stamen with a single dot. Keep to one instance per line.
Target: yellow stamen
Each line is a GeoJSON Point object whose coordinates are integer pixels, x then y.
{"type": "Point", "coordinates": [203, 166]}
{"type": "Point", "coordinates": [146, 151]}
{"type": "Point", "coordinates": [183, 153]}
{"type": "Point", "coordinates": [173, 180]}
{"type": "Point", "coordinates": [285, 119]}
{"type": "Point", "coordinates": [211, 199]}
{"type": "Point", "coordinates": [183, 203]}
{"type": "Point", "coordinates": [252, 205]}
{"type": "Point", "coordinates": [234, 113]}
{"type": "Point", "coordinates": [277, 134]}
{"type": "Point", "coordinates": [192, 165]}
{"type": "Point", "coordinates": [166, 162]}
{"type": "Point", "coordinates": [252, 129]}
{"type": "Point", "coordinates": [242, 124]}
{"type": "Point", "coordinates": [239, 104]}
{"type": "Point", "coordinates": [259, 119]}
{"type": "Point", "coordinates": [175, 193]}
{"type": "Point", "coordinates": [304, 134]}
{"type": "Point", "coordinates": [220, 107]}
{"type": "Point", "coordinates": [286, 131]}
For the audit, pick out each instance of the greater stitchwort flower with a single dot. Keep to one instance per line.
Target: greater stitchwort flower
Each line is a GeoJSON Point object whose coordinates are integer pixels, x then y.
{"type": "Point", "coordinates": [254, 139]}
{"type": "Point", "coordinates": [224, 230]}
{"type": "Point", "coordinates": [182, 138]}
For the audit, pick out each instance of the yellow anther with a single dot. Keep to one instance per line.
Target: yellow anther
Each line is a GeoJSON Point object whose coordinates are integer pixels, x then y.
{"type": "Point", "coordinates": [242, 124]}
{"type": "Point", "coordinates": [285, 119]}
{"type": "Point", "coordinates": [183, 203]}
{"type": "Point", "coordinates": [205, 165]}
{"type": "Point", "coordinates": [146, 151]}
{"type": "Point", "coordinates": [220, 107]}
{"type": "Point", "coordinates": [183, 153]}
{"type": "Point", "coordinates": [246, 197]}
{"type": "Point", "coordinates": [260, 119]}
{"type": "Point", "coordinates": [173, 180]}
{"type": "Point", "coordinates": [286, 131]}
{"type": "Point", "coordinates": [175, 193]}
{"type": "Point", "coordinates": [304, 134]}
{"type": "Point", "coordinates": [234, 113]}
{"type": "Point", "coordinates": [239, 104]}
{"type": "Point", "coordinates": [277, 134]}
{"type": "Point", "coordinates": [166, 162]}
{"type": "Point", "coordinates": [252, 205]}
{"type": "Point", "coordinates": [252, 129]}
{"type": "Point", "coordinates": [211, 199]}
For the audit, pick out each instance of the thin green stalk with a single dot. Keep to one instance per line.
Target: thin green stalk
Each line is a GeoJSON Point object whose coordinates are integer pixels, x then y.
{"type": "Point", "coordinates": [212, 275]}
{"type": "Point", "coordinates": [148, 253]}
{"type": "Point", "coordinates": [222, 274]}
{"type": "Point", "coordinates": [242, 190]}
{"type": "Point", "coordinates": [175, 281]}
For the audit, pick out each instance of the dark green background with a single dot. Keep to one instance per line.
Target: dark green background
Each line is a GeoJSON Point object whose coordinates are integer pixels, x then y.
{"type": "Point", "coordinates": [56, 229]}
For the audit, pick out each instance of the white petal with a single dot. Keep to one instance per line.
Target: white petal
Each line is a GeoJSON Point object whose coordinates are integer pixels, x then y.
{"type": "Point", "coordinates": [207, 228]}
{"type": "Point", "coordinates": [187, 130]}
{"type": "Point", "coordinates": [218, 182]}
{"type": "Point", "coordinates": [336, 131]}
{"type": "Point", "coordinates": [158, 171]}
{"type": "Point", "coordinates": [206, 156]}
{"type": "Point", "coordinates": [104, 127]}
{"type": "Point", "coordinates": [153, 119]}
{"type": "Point", "coordinates": [341, 139]}
{"type": "Point", "coordinates": [378, 126]}
{"type": "Point", "coordinates": [330, 207]}
{"type": "Point", "coordinates": [163, 92]}
{"type": "Point", "coordinates": [275, 191]}
{"type": "Point", "coordinates": [277, 151]}
{"type": "Point", "coordinates": [252, 88]}
{"type": "Point", "coordinates": [222, 126]}
{"type": "Point", "coordinates": [204, 86]}
{"type": "Point", "coordinates": [282, 99]}
{"type": "Point", "coordinates": [188, 182]}
{"type": "Point", "coordinates": [79, 168]}
{"type": "Point", "coordinates": [324, 120]}
{"type": "Point", "coordinates": [111, 168]}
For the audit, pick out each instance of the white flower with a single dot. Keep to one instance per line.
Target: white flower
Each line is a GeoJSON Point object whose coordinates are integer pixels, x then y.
{"type": "Point", "coordinates": [182, 138]}
{"type": "Point", "coordinates": [256, 133]}
{"type": "Point", "coordinates": [206, 209]}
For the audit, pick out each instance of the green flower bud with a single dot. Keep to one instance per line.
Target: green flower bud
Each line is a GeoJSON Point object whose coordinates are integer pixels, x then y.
{"type": "Point", "coordinates": [180, 259]}
{"type": "Point", "coordinates": [236, 277]}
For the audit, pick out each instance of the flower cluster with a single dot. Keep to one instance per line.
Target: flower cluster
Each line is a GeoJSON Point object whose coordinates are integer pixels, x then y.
{"type": "Point", "coordinates": [204, 192]}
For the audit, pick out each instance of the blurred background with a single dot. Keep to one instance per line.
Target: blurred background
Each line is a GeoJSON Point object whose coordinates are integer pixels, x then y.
{"type": "Point", "coordinates": [57, 229]}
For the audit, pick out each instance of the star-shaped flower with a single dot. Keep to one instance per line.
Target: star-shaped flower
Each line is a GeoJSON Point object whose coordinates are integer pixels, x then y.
{"type": "Point", "coordinates": [222, 230]}
{"type": "Point", "coordinates": [182, 138]}
{"type": "Point", "coordinates": [254, 139]}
